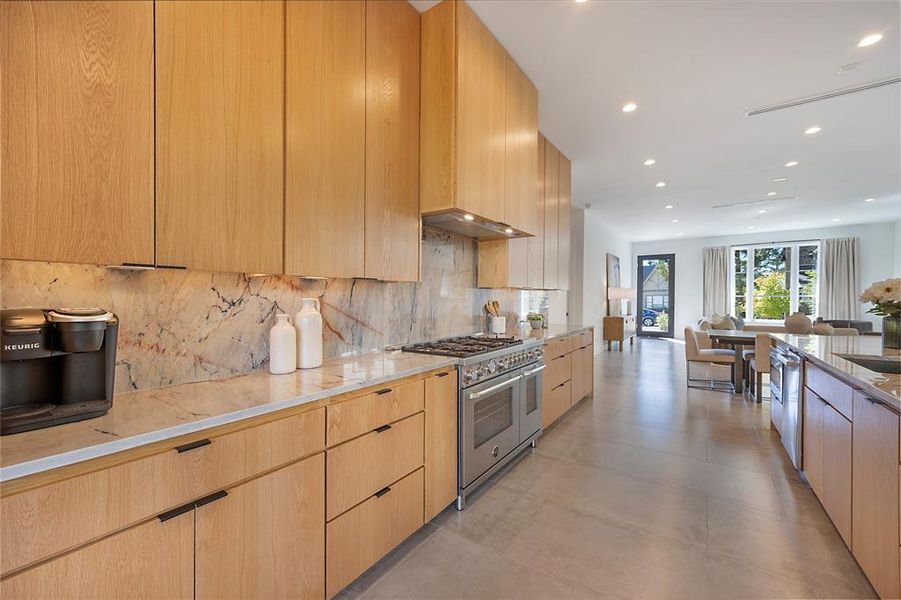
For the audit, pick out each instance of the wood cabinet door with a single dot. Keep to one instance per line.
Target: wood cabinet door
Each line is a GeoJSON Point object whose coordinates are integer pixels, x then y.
{"type": "Point", "coordinates": [535, 244]}
{"type": "Point", "coordinates": [481, 124]}
{"type": "Point", "coordinates": [551, 216]}
{"type": "Point", "coordinates": [837, 470]}
{"type": "Point", "coordinates": [814, 461]}
{"type": "Point", "coordinates": [152, 560]}
{"type": "Point", "coordinates": [564, 201]}
{"type": "Point", "coordinates": [392, 236]}
{"type": "Point", "coordinates": [266, 538]}
{"type": "Point", "coordinates": [440, 442]}
{"type": "Point", "coordinates": [219, 134]}
{"type": "Point", "coordinates": [874, 520]}
{"type": "Point", "coordinates": [76, 102]}
{"type": "Point", "coordinates": [521, 159]}
{"type": "Point", "coordinates": [325, 117]}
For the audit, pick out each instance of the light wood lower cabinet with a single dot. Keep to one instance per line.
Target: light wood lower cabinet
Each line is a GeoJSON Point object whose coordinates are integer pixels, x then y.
{"type": "Point", "coordinates": [440, 442]}
{"type": "Point", "coordinates": [150, 561]}
{"type": "Point", "coordinates": [347, 420]}
{"type": "Point", "coordinates": [837, 457]}
{"type": "Point", "coordinates": [582, 372]}
{"type": "Point", "coordinates": [266, 538]}
{"type": "Point", "coordinates": [557, 401]}
{"type": "Point", "coordinates": [814, 432]}
{"type": "Point", "coordinates": [875, 525]}
{"type": "Point", "coordinates": [569, 373]}
{"type": "Point", "coordinates": [367, 532]}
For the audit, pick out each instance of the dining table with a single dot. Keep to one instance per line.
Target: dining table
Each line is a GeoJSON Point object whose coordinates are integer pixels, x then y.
{"type": "Point", "coordinates": [736, 339]}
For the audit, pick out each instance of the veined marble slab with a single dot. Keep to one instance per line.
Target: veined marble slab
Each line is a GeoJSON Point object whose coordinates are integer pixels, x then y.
{"type": "Point", "coordinates": [557, 330]}
{"type": "Point", "coordinates": [142, 417]}
{"type": "Point", "coordinates": [824, 351]}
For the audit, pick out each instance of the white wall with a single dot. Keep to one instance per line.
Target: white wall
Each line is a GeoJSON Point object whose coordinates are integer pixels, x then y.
{"type": "Point", "coordinates": [898, 248]}
{"type": "Point", "coordinates": [880, 244]}
{"type": "Point", "coordinates": [599, 238]}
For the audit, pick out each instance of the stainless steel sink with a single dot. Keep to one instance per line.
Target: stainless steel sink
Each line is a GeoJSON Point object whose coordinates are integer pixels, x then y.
{"type": "Point", "coordinates": [880, 364]}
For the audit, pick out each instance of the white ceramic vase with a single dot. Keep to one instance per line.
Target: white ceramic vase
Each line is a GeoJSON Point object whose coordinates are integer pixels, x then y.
{"type": "Point", "coordinates": [308, 322]}
{"type": "Point", "coordinates": [282, 346]}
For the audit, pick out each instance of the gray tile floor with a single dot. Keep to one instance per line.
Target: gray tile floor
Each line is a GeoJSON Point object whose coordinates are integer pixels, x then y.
{"type": "Point", "coordinates": [646, 490]}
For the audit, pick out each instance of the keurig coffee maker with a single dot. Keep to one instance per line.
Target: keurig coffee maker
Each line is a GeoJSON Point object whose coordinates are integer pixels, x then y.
{"type": "Point", "coordinates": [57, 366]}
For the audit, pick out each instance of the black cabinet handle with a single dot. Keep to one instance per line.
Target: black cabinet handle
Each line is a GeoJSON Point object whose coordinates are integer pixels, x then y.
{"type": "Point", "coordinates": [382, 491]}
{"type": "Point", "coordinates": [193, 445]}
{"type": "Point", "coordinates": [171, 267]}
{"type": "Point", "coordinates": [442, 374]}
{"type": "Point", "coordinates": [382, 429]}
{"type": "Point", "coordinates": [211, 498]}
{"type": "Point", "coordinates": [384, 391]}
{"type": "Point", "coordinates": [185, 508]}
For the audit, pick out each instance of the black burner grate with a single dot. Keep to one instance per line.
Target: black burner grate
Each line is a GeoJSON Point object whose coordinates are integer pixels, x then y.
{"type": "Point", "coordinates": [464, 346]}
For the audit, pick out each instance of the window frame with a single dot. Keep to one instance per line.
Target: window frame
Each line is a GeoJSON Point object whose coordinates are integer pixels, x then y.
{"type": "Point", "coordinates": [794, 250]}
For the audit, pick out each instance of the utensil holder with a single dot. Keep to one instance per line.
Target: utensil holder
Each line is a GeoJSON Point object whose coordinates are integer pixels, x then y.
{"type": "Point", "coordinates": [497, 325]}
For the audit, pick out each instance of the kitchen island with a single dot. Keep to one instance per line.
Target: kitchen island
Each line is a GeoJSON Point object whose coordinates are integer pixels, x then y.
{"type": "Point", "coordinates": [851, 445]}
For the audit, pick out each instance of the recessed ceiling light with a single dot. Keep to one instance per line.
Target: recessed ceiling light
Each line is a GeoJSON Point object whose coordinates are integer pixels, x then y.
{"type": "Point", "coordinates": [629, 107]}
{"type": "Point", "coordinates": [836, 220]}
{"type": "Point", "coordinates": [661, 184]}
{"type": "Point", "coordinates": [469, 217]}
{"type": "Point", "coordinates": [649, 162]}
{"type": "Point", "coordinates": [812, 130]}
{"type": "Point", "coordinates": [871, 39]}
{"type": "Point", "coordinates": [870, 200]}
{"type": "Point", "coordinates": [791, 163]}
{"type": "Point", "coordinates": [581, 1]}
{"type": "Point", "coordinates": [771, 193]}
{"type": "Point", "coordinates": [780, 179]}
{"type": "Point", "coordinates": [680, 233]}
{"type": "Point", "coordinates": [675, 220]}
{"type": "Point", "coordinates": [750, 227]}
{"type": "Point", "coordinates": [668, 206]}
{"type": "Point", "coordinates": [761, 211]}
{"type": "Point", "coordinates": [508, 230]}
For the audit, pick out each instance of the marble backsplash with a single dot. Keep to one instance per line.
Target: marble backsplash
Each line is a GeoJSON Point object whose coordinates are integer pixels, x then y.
{"type": "Point", "coordinates": [181, 326]}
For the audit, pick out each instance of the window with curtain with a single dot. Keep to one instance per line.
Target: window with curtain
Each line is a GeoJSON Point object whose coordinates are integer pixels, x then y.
{"type": "Point", "coordinates": [771, 281]}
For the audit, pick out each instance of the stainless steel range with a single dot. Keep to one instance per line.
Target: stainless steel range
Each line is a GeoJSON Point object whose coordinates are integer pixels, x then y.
{"type": "Point", "coordinates": [499, 402]}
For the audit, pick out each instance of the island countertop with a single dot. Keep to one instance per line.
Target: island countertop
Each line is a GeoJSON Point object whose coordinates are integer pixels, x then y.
{"type": "Point", "coordinates": [825, 351]}
{"type": "Point", "coordinates": [554, 331]}
{"type": "Point", "coordinates": [145, 416]}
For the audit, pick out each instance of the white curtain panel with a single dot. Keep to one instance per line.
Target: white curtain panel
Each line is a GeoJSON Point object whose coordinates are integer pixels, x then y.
{"type": "Point", "coordinates": [840, 278]}
{"type": "Point", "coordinates": [716, 280]}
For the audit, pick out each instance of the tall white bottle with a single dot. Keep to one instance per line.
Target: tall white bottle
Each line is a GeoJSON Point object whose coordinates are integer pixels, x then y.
{"type": "Point", "coordinates": [308, 322]}
{"type": "Point", "coordinates": [282, 346]}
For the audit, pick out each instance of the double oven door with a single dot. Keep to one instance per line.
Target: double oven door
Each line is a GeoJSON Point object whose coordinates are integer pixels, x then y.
{"type": "Point", "coordinates": [497, 416]}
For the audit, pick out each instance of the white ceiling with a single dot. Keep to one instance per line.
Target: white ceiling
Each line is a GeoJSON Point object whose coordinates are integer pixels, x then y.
{"type": "Point", "coordinates": [694, 68]}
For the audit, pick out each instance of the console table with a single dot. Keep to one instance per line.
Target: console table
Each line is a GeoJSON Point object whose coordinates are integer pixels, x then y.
{"type": "Point", "coordinates": [617, 329]}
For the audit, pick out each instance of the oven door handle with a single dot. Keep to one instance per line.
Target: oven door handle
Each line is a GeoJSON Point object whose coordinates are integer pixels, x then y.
{"type": "Point", "coordinates": [533, 371]}
{"type": "Point", "coordinates": [494, 388]}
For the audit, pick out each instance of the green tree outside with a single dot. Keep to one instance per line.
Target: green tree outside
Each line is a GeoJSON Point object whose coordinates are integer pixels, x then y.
{"type": "Point", "coordinates": [772, 299]}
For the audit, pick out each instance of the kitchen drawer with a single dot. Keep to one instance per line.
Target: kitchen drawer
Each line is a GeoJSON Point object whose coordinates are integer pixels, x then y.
{"type": "Point", "coordinates": [357, 469]}
{"type": "Point", "coordinates": [38, 523]}
{"type": "Point", "coordinates": [556, 402]}
{"type": "Point", "coordinates": [366, 533]}
{"type": "Point", "coordinates": [586, 338]}
{"type": "Point", "coordinates": [556, 347]}
{"type": "Point", "coordinates": [558, 370]}
{"type": "Point", "coordinates": [834, 392]}
{"type": "Point", "coordinates": [357, 416]}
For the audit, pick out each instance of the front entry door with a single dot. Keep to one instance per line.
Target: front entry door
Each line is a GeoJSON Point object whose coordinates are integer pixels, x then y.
{"type": "Point", "coordinates": [656, 293]}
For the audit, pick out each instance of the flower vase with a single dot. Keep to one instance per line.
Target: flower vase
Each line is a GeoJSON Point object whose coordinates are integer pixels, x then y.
{"type": "Point", "coordinates": [891, 332]}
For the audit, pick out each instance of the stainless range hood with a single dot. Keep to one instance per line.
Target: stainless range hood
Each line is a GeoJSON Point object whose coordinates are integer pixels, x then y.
{"type": "Point", "coordinates": [472, 226]}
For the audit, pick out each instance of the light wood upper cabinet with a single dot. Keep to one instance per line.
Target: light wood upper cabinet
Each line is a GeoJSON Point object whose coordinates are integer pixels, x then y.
{"type": "Point", "coordinates": [875, 515]}
{"type": "Point", "coordinates": [440, 442]}
{"type": "Point", "coordinates": [521, 159]}
{"type": "Point", "coordinates": [76, 102]}
{"type": "Point", "coordinates": [535, 244]}
{"type": "Point", "coordinates": [564, 202]}
{"type": "Point", "coordinates": [551, 217]}
{"type": "Point", "coordinates": [266, 538]}
{"type": "Point", "coordinates": [392, 236]}
{"type": "Point", "coordinates": [325, 119]}
{"type": "Point", "coordinates": [153, 560]}
{"type": "Point", "coordinates": [220, 133]}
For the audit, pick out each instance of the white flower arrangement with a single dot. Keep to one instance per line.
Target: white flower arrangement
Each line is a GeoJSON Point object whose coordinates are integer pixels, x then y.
{"type": "Point", "coordinates": [885, 296]}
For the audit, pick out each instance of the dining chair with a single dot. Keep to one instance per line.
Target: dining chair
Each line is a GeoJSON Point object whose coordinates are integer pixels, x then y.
{"type": "Point", "coordinates": [698, 350]}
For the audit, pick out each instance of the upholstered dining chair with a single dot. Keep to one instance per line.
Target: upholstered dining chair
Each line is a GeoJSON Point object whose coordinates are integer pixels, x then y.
{"type": "Point", "coordinates": [698, 350]}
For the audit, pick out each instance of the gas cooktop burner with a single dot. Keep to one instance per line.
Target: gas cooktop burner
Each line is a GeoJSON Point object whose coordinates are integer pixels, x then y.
{"type": "Point", "coordinates": [464, 346]}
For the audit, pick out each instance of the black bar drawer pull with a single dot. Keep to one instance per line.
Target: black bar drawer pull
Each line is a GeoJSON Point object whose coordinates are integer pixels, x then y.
{"type": "Point", "coordinates": [384, 391]}
{"type": "Point", "coordinates": [171, 514]}
{"type": "Point", "coordinates": [193, 445]}
{"type": "Point", "coordinates": [442, 374]}
{"type": "Point", "coordinates": [382, 491]}
{"type": "Point", "coordinates": [382, 429]}
{"type": "Point", "coordinates": [211, 498]}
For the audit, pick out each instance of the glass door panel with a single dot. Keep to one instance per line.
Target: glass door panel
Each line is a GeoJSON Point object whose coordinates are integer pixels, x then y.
{"type": "Point", "coordinates": [656, 277]}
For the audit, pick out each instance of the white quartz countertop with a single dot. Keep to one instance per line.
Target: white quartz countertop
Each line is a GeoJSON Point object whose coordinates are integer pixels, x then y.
{"type": "Point", "coordinates": [145, 416]}
{"type": "Point", "coordinates": [825, 351]}
{"type": "Point", "coordinates": [552, 331]}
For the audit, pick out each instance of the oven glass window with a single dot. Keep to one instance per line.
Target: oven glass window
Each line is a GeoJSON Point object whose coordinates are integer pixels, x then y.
{"type": "Point", "coordinates": [531, 395]}
{"type": "Point", "coordinates": [493, 414]}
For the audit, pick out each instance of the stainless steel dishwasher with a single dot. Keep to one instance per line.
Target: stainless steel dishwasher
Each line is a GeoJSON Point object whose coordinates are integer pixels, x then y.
{"type": "Point", "coordinates": [785, 401]}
